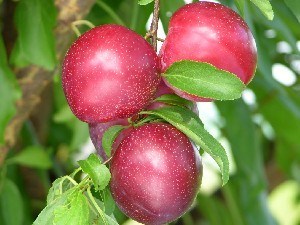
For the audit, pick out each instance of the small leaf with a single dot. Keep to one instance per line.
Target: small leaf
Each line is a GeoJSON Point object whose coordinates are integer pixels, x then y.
{"type": "Point", "coordinates": [187, 122]}
{"type": "Point", "coordinates": [144, 2]}
{"type": "Point", "coordinates": [33, 156]}
{"type": "Point", "coordinates": [11, 204]}
{"type": "Point", "coordinates": [46, 217]}
{"type": "Point", "coordinates": [204, 80]}
{"type": "Point", "coordinates": [172, 99]}
{"type": "Point", "coordinates": [265, 7]}
{"type": "Point", "coordinates": [109, 137]}
{"type": "Point", "coordinates": [59, 186]}
{"type": "Point", "coordinates": [74, 211]}
{"type": "Point", "coordinates": [147, 119]}
{"type": "Point", "coordinates": [98, 172]}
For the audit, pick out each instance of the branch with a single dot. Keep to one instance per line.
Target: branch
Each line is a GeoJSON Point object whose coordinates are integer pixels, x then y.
{"type": "Point", "coordinates": [154, 24]}
{"type": "Point", "coordinates": [34, 79]}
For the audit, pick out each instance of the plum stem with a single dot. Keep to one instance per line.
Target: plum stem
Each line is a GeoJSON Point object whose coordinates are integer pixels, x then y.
{"type": "Point", "coordinates": [81, 22]}
{"type": "Point", "coordinates": [101, 213]}
{"type": "Point", "coordinates": [107, 161]}
{"type": "Point", "coordinates": [154, 25]}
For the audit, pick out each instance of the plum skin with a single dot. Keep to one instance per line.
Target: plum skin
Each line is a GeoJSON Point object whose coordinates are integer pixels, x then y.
{"type": "Point", "coordinates": [109, 73]}
{"type": "Point", "coordinates": [213, 33]}
{"type": "Point", "coordinates": [97, 130]}
{"type": "Point", "coordinates": [156, 174]}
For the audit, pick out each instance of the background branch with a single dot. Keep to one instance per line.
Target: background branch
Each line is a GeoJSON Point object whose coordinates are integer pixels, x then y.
{"type": "Point", "coordinates": [34, 79]}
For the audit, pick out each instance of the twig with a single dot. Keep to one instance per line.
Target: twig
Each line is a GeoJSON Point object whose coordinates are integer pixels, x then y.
{"type": "Point", "coordinates": [154, 25]}
{"type": "Point", "coordinates": [149, 35]}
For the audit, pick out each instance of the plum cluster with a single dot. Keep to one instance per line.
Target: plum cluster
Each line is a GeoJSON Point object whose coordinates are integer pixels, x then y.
{"type": "Point", "coordinates": [110, 74]}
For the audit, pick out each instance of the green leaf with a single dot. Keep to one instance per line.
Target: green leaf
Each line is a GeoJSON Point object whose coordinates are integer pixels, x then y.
{"type": "Point", "coordinates": [109, 203]}
{"type": "Point", "coordinates": [204, 80]}
{"type": "Point", "coordinates": [98, 172]}
{"type": "Point", "coordinates": [33, 156]}
{"type": "Point", "coordinates": [109, 137]}
{"type": "Point", "coordinates": [265, 7]}
{"type": "Point", "coordinates": [59, 186]}
{"type": "Point", "coordinates": [76, 211]}
{"type": "Point", "coordinates": [35, 21]}
{"type": "Point", "coordinates": [46, 217]}
{"type": "Point", "coordinates": [109, 221]}
{"type": "Point", "coordinates": [187, 122]}
{"type": "Point", "coordinates": [144, 2]}
{"type": "Point", "coordinates": [11, 204]}
{"type": "Point", "coordinates": [9, 92]}
{"type": "Point", "coordinates": [172, 99]}
{"type": "Point", "coordinates": [294, 7]}
{"type": "Point", "coordinates": [147, 119]}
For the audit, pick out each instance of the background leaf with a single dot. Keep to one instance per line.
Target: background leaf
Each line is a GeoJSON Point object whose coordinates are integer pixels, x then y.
{"type": "Point", "coordinates": [240, 4]}
{"type": "Point", "coordinates": [295, 7]}
{"type": "Point", "coordinates": [144, 2]}
{"type": "Point", "coordinates": [35, 43]}
{"type": "Point", "coordinates": [167, 9]}
{"type": "Point", "coordinates": [11, 204]}
{"type": "Point", "coordinates": [247, 188]}
{"type": "Point", "coordinates": [34, 156]}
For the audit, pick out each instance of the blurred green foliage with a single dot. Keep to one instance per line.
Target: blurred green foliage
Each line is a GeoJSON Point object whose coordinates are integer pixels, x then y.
{"type": "Point", "coordinates": [263, 136]}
